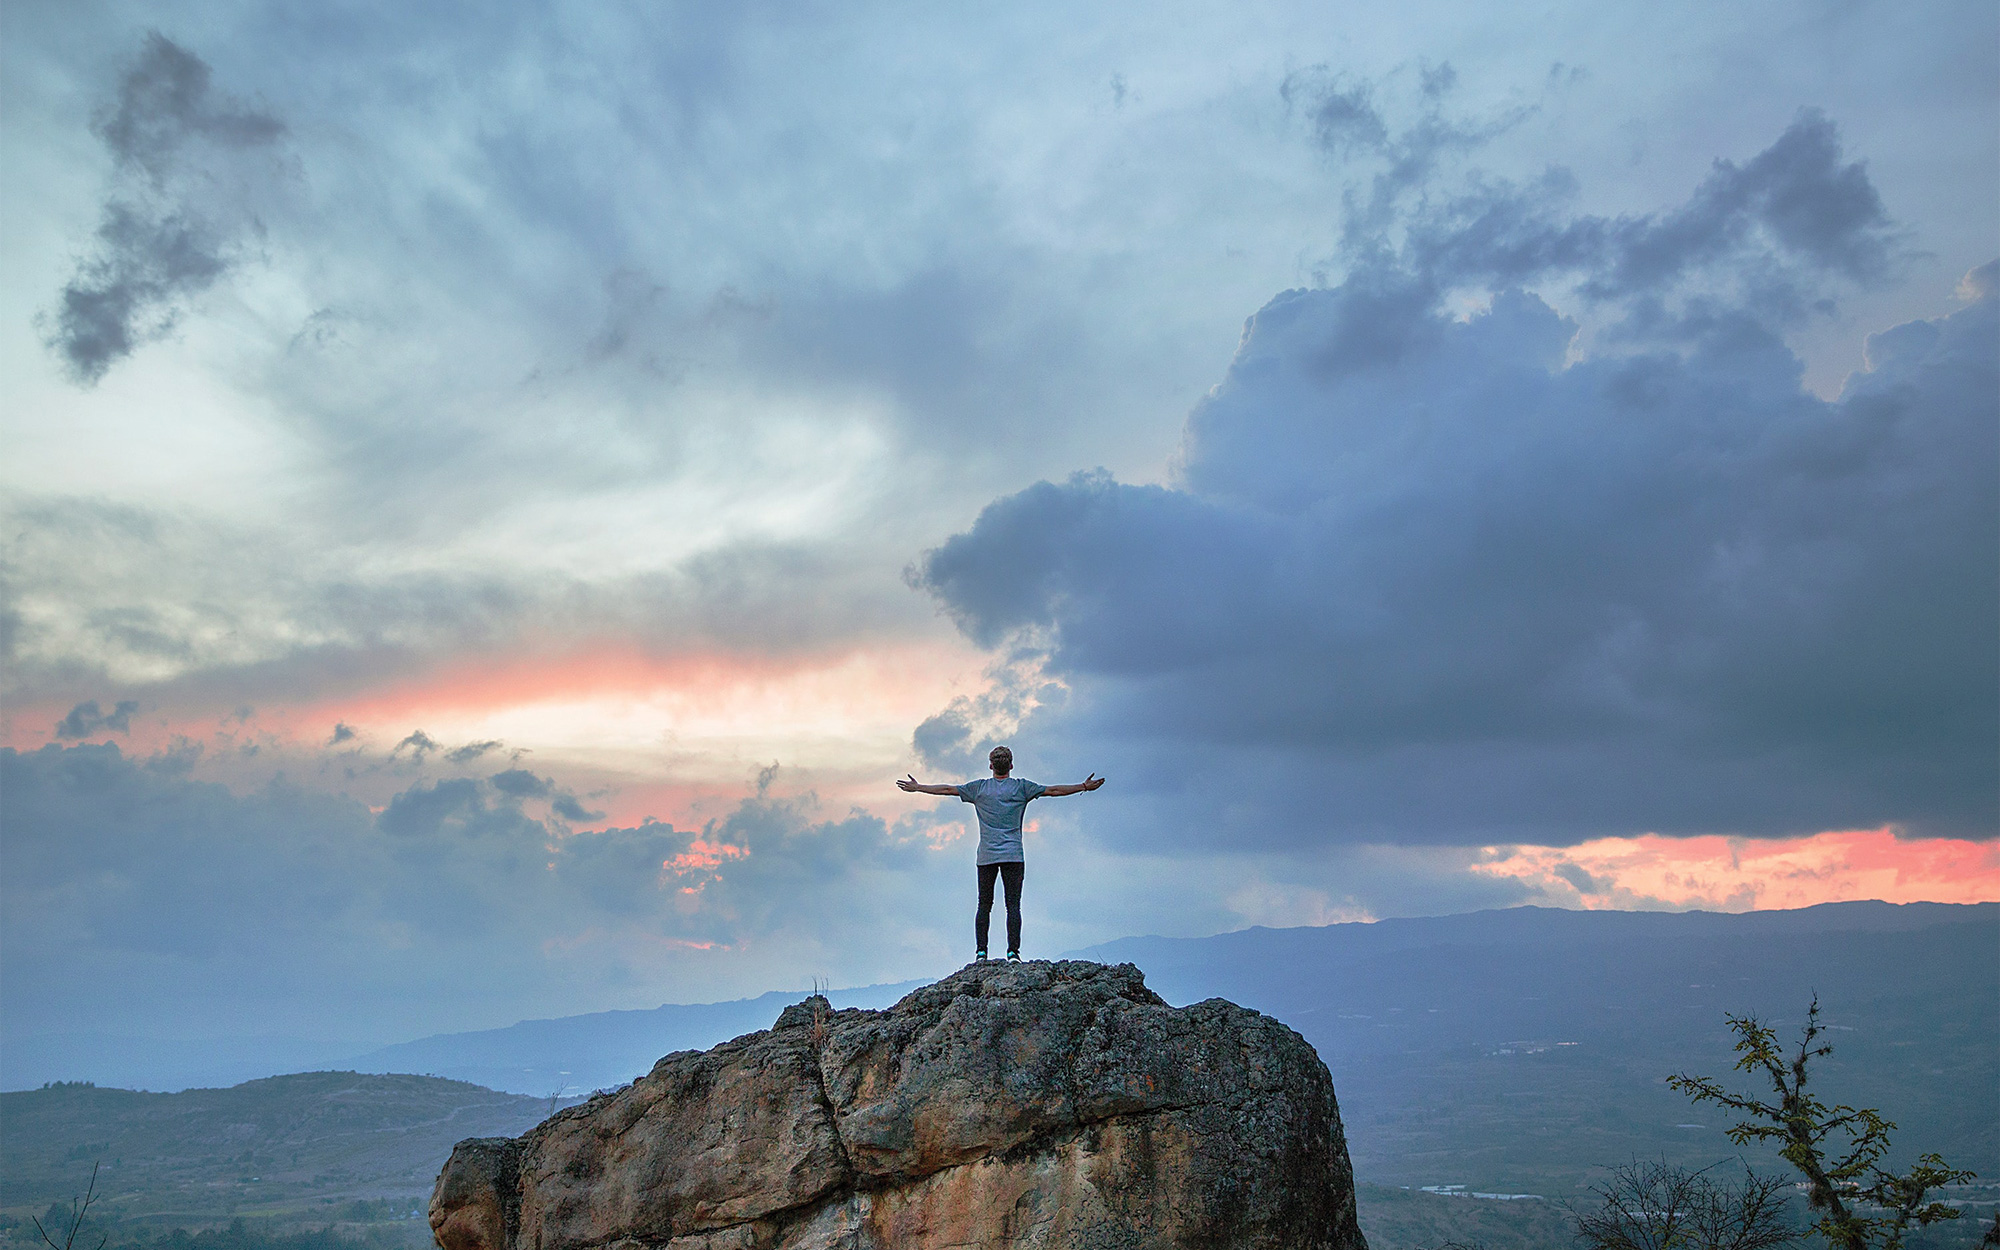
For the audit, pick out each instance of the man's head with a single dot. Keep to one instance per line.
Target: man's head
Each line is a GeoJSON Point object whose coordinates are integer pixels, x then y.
{"type": "Point", "coordinates": [1002, 761]}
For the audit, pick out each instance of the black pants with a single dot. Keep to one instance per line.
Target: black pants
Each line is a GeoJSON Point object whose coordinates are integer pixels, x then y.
{"type": "Point", "coordinates": [1011, 875]}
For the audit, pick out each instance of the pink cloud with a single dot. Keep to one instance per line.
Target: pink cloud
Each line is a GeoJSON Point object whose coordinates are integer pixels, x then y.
{"type": "Point", "coordinates": [702, 855]}
{"type": "Point", "coordinates": [1743, 874]}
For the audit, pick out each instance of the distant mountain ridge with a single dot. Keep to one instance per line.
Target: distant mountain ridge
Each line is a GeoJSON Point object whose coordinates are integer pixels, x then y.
{"type": "Point", "coordinates": [1529, 922]}
{"type": "Point", "coordinates": [578, 1054]}
{"type": "Point", "coordinates": [597, 1050]}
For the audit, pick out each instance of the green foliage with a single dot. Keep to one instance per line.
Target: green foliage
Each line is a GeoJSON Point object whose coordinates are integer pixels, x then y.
{"type": "Point", "coordinates": [1838, 1149]}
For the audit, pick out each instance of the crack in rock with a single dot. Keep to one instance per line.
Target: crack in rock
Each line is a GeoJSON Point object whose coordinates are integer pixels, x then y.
{"type": "Point", "coordinates": [1018, 1106]}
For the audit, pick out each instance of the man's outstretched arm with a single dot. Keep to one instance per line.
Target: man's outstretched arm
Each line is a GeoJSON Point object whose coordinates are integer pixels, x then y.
{"type": "Point", "coordinates": [1088, 783]}
{"type": "Point", "coordinates": [910, 785]}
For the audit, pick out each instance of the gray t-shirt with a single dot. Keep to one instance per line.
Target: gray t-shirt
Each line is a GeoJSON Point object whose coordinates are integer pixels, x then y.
{"type": "Point", "coordinates": [1000, 801]}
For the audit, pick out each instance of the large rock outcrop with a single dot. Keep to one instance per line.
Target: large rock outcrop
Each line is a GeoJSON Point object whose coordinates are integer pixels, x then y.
{"type": "Point", "coordinates": [1008, 1105]}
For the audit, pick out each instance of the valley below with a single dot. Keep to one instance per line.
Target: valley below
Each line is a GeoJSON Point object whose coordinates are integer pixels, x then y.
{"type": "Point", "coordinates": [1518, 1054]}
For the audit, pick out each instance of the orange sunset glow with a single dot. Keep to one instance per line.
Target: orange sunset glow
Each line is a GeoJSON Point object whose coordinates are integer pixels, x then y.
{"type": "Point", "coordinates": [1743, 874]}
{"type": "Point", "coordinates": [679, 722]}
{"type": "Point", "coordinates": [663, 736]}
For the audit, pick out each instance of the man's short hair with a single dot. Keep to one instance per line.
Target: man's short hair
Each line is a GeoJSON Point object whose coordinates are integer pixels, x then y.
{"type": "Point", "coordinates": [999, 755]}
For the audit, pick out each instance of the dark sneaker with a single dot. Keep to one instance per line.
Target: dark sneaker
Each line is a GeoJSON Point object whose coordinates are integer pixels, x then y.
{"type": "Point", "coordinates": [979, 957]}
{"type": "Point", "coordinates": [1013, 957]}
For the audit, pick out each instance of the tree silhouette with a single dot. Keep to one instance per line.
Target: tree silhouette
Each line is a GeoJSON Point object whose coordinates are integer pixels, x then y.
{"type": "Point", "coordinates": [78, 1208]}
{"type": "Point", "coordinates": [1843, 1177]}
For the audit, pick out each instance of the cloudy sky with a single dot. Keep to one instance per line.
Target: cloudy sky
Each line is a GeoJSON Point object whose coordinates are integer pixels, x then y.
{"type": "Point", "coordinates": [494, 497]}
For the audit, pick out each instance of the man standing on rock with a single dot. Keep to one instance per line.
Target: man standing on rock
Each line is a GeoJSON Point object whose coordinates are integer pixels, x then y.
{"type": "Point", "coordinates": [1000, 801]}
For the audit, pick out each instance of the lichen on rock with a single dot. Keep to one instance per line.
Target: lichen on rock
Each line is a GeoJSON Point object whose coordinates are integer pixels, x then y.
{"type": "Point", "coordinates": [1009, 1105]}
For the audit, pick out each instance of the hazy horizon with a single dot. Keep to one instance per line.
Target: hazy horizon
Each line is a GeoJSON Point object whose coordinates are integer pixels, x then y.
{"type": "Point", "coordinates": [228, 1059]}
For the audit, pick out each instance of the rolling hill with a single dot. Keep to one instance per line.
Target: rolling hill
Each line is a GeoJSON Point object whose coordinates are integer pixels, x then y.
{"type": "Point", "coordinates": [320, 1147]}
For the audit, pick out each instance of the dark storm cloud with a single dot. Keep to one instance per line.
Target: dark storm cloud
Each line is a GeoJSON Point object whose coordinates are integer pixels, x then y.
{"type": "Point", "coordinates": [1349, 124]}
{"type": "Point", "coordinates": [419, 744]}
{"type": "Point", "coordinates": [1582, 879]}
{"type": "Point", "coordinates": [123, 295]}
{"type": "Point", "coordinates": [1770, 232]}
{"type": "Point", "coordinates": [1768, 238]}
{"type": "Point", "coordinates": [1798, 191]}
{"type": "Point", "coordinates": [1793, 215]}
{"type": "Point", "coordinates": [1423, 580]}
{"type": "Point", "coordinates": [165, 103]}
{"type": "Point", "coordinates": [472, 751]}
{"type": "Point", "coordinates": [136, 898]}
{"type": "Point", "coordinates": [519, 783]}
{"type": "Point", "coordinates": [1343, 115]}
{"type": "Point", "coordinates": [569, 808]}
{"type": "Point", "coordinates": [173, 221]}
{"type": "Point", "coordinates": [342, 732]}
{"type": "Point", "coordinates": [86, 719]}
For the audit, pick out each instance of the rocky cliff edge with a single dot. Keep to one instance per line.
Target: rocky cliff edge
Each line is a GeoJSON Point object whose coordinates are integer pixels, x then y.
{"type": "Point", "coordinates": [1008, 1105]}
